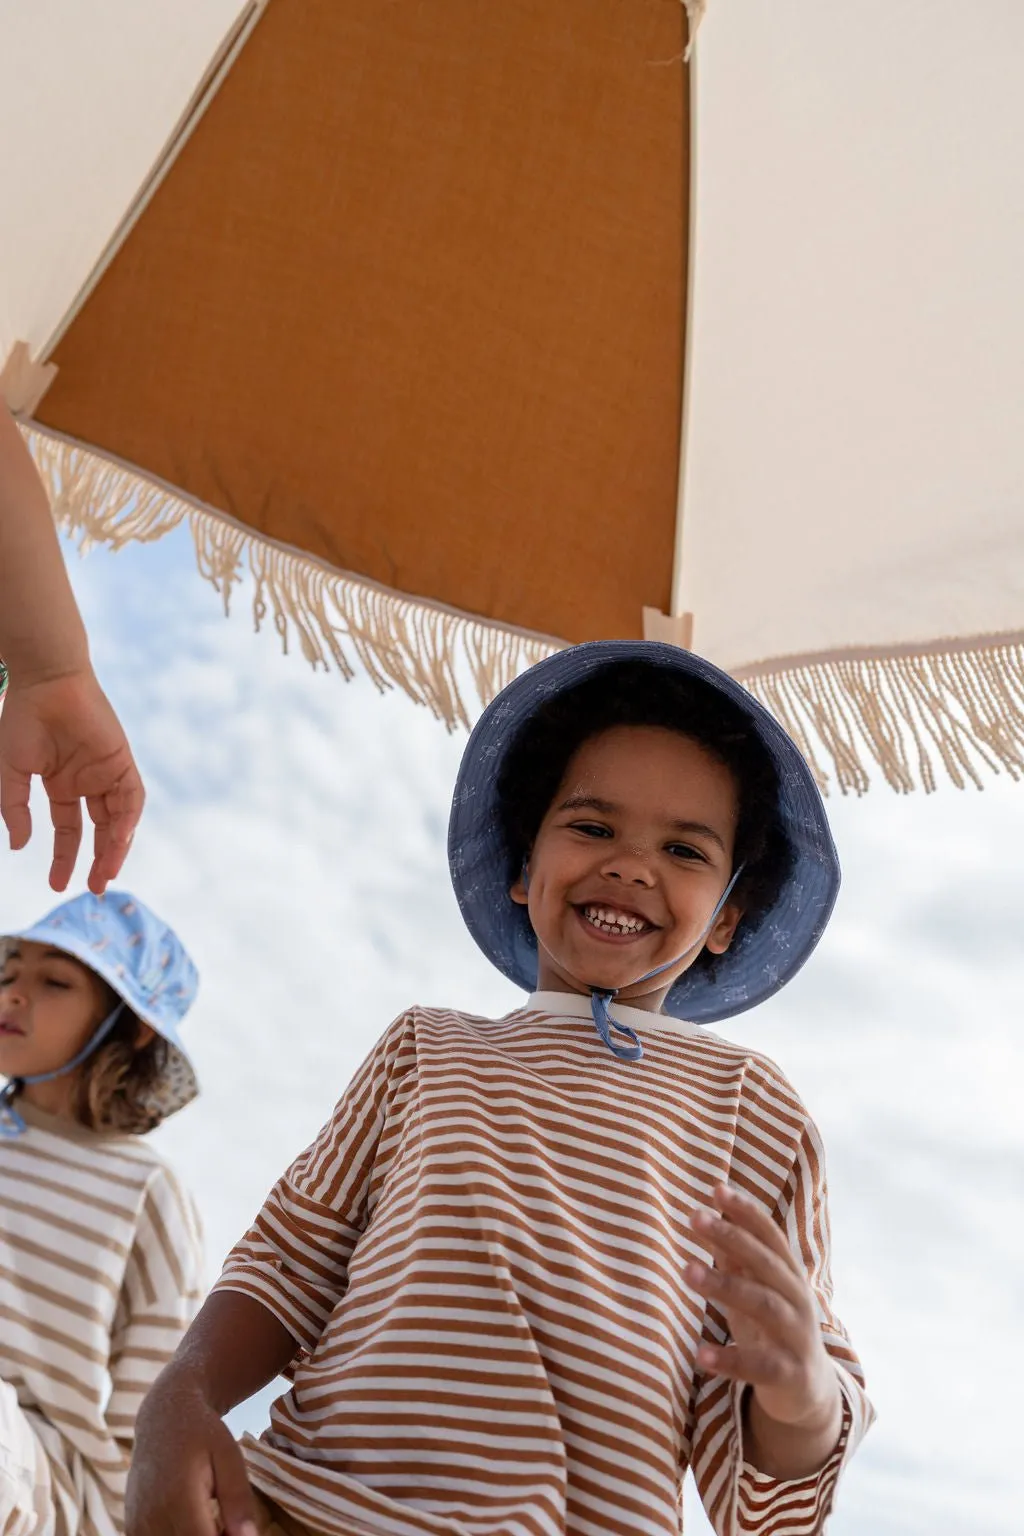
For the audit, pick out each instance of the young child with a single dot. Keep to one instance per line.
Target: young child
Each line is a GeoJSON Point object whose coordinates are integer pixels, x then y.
{"type": "Point", "coordinates": [100, 1261]}
{"type": "Point", "coordinates": [534, 1268]}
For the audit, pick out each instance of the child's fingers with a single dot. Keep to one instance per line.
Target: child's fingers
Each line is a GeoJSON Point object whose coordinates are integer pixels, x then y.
{"type": "Point", "coordinates": [14, 798]}
{"type": "Point", "coordinates": [737, 1250]}
{"type": "Point", "coordinates": [237, 1506]}
{"type": "Point", "coordinates": [734, 1293]}
{"type": "Point", "coordinates": [752, 1217]}
{"type": "Point", "coordinates": [111, 845]}
{"type": "Point", "coordinates": [66, 816]}
{"type": "Point", "coordinates": [757, 1365]}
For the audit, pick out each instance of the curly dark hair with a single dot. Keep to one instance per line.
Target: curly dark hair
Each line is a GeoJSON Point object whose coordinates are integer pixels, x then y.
{"type": "Point", "coordinates": [642, 694]}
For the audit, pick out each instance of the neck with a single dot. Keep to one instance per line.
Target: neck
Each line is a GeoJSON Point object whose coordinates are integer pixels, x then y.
{"type": "Point", "coordinates": [641, 994]}
{"type": "Point", "coordinates": [56, 1098]}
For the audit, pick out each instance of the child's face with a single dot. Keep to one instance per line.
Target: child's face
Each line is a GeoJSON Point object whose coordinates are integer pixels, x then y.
{"type": "Point", "coordinates": [630, 862]}
{"type": "Point", "coordinates": [50, 1006]}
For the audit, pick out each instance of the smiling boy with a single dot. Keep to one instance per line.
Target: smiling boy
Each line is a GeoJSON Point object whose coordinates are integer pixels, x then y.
{"type": "Point", "coordinates": [534, 1268]}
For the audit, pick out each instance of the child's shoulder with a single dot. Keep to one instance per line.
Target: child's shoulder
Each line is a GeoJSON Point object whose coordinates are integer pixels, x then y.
{"type": "Point", "coordinates": [167, 1206]}
{"type": "Point", "coordinates": [126, 1172]}
{"type": "Point", "coordinates": [139, 1159]}
{"type": "Point", "coordinates": [760, 1078]}
{"type": "Point", "coordinates": [427, 1016]}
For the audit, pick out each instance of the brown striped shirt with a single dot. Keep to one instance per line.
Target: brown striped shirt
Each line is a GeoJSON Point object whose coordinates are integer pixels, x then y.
{"type": "Point", "coordinates": [100, 1273]}
{"type": "Point", "coordinates": [480, 1257]}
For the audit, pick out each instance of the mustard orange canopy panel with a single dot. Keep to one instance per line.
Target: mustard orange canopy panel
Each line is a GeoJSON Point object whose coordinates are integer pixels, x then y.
{"type": "Point", "coordinates": [411, 299]}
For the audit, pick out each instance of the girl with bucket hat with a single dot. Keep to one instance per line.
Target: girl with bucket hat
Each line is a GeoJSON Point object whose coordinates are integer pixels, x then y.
{"type": "Point", "coordinates": [100, 1253]}
{"type": "Point", "coordinates": [535, 1268]}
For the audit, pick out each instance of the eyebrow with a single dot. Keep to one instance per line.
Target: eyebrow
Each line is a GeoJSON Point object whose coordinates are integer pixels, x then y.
{"type": "Point", "coordinates": [14, 953]}
{"type": "Point", "coordinates": [609, 808]}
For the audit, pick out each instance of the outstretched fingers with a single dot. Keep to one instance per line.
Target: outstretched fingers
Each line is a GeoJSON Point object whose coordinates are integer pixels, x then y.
{"type": "Point", "coordinates": [747, 1241]}
{"type": "Point", "coordinates": [66, 815]}
{"type": "Point", "coordinates": [14, 795]}
{"type": "Point", "coordinates": [756, 1365]}
{"type": "Point", "coordinates": [115, 817]}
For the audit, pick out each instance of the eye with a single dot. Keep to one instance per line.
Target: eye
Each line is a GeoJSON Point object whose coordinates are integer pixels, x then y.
{"type": "Point", "coordinates": [591, 829]}
{"type": "Point", "coordinates": [62, 986]}
{"type": "Point", "coordinates": [687, 852]}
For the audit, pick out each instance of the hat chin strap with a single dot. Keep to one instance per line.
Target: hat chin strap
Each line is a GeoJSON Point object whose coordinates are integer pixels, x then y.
{"type": "Point", "coordinates": [11, 1123]}
{"type": "Point", "coordinates": [601, 998]}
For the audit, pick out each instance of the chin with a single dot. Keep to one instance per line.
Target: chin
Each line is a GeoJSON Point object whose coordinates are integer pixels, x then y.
{"type": "Point", "coordinates": [606, 978]}
{"type": "Point", "coordinates": [12, 1066]}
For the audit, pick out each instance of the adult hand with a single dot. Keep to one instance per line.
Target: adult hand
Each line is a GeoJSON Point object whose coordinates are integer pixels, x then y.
{"type": "Point", "coordinates": [761, 1289]}
{"type": "Point", "coordinates": [64, 730]}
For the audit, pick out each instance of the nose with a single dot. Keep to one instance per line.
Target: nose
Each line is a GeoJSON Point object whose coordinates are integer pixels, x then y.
{"type": "Point", "coordinates": [630, 866]}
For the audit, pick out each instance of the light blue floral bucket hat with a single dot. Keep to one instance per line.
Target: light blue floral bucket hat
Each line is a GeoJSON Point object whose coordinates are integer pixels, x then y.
{"type": "Point", "coordinates": [143, 961]}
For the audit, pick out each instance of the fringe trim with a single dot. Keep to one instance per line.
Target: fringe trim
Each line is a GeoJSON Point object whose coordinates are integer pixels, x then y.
{"type": "Point", "coordinates": [427, 650]}
{"type": "Point", "coordinates": [958, 706]}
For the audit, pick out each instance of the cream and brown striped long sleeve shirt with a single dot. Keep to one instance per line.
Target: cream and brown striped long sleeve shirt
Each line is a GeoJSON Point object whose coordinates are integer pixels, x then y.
{"type": "Point", "coordinates": [480, 1258]}
{"type": "Point", "coordinates": [100, 1274]}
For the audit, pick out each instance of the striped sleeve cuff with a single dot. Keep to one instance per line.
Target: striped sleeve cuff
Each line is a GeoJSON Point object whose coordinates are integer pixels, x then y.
{"type": "Point", "coordinates": [768, 1506]}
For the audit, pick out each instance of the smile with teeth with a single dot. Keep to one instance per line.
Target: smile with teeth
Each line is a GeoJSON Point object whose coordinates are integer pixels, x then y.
{"type": "Point", "coordinates": [608, 920]}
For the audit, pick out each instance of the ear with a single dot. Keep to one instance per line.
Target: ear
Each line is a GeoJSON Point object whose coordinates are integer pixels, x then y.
{"type": "Point", "coordinates": [143, 1035]}
{"type": "Point", "coordinates": [519, 891]}
{"type": "Point", "coordinates": [724, 931]}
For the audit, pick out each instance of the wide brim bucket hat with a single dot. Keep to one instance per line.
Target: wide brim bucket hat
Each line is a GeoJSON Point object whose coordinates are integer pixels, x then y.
{"type": "Point", "coordinates": [761, 959]}
{"type": "Point", "coordinates": [143, 961]}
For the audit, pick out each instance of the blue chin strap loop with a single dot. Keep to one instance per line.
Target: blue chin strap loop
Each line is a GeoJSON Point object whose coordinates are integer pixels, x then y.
{"type": "Point", "coordinates": [601, 998]}
{"type": "Point", "coordinates": [600, 1003]}
{"type": "Point", "coordinates": [11, 1122]}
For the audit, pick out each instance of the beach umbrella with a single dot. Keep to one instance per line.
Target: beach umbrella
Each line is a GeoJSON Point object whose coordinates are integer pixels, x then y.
{"type": "Point", "coordinates": [475, 329]}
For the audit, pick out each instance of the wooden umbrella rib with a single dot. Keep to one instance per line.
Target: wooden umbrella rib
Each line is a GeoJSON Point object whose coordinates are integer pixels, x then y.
{"type": "Point", "coordinates": [676, 609]}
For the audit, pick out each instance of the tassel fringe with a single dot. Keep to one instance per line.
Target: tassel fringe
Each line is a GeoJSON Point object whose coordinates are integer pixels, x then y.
{"type": "Point", "coordinates": [958, 707]}
{"type": "Point", "coordinates": [955, 707]}
{"type": "Point", "coordinates": [433, 653]}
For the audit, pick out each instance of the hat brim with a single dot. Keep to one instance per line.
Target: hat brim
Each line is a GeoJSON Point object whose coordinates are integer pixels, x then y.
{"type": "Point", "coordinates": [761, 959]}
{"type": "Point", "coordinates": [178, 1085]}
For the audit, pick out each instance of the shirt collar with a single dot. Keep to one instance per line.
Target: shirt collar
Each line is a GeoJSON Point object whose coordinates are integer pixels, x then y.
{"type": "Point", "coordinates": [574, 1005]}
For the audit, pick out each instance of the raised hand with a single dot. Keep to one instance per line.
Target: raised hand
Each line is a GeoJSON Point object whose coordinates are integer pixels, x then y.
{"type": "Point", "coordinates": [776, 1346]}
{"type": "Point", "coordinates": [63, 730]}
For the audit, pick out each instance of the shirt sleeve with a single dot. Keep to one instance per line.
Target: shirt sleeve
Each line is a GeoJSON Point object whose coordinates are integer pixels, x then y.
{"type": "Point", "coordinates": [161, 1292]}
{"type": "Point", "coordinates": [294, 1259]}
{"type": "Point", "coordinates": [739, 1499]}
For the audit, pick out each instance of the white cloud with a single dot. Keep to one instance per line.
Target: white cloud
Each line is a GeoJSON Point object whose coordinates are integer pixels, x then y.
{"type": "Point", "coordinates": [295, 836]}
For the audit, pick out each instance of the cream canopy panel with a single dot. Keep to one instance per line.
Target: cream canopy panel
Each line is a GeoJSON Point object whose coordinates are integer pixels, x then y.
{"type": "Point", "coordinates": [90, 94]}
{"type": "Point", "coordinates": [854, 468]}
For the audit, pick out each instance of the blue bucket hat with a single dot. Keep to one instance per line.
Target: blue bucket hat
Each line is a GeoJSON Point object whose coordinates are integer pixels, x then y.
{"type": "Point", "coordinates": [760, 959]}
{"type": "Point", "coordinates": [143, 961]}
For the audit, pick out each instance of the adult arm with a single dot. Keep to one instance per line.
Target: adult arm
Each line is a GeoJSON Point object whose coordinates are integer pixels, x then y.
{"type": "Point", "coordinates": [55, 720]}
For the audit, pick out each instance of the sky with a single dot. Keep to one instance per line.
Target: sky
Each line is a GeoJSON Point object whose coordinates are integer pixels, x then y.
{"type": "Point", "coordinates": [294, 836]}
